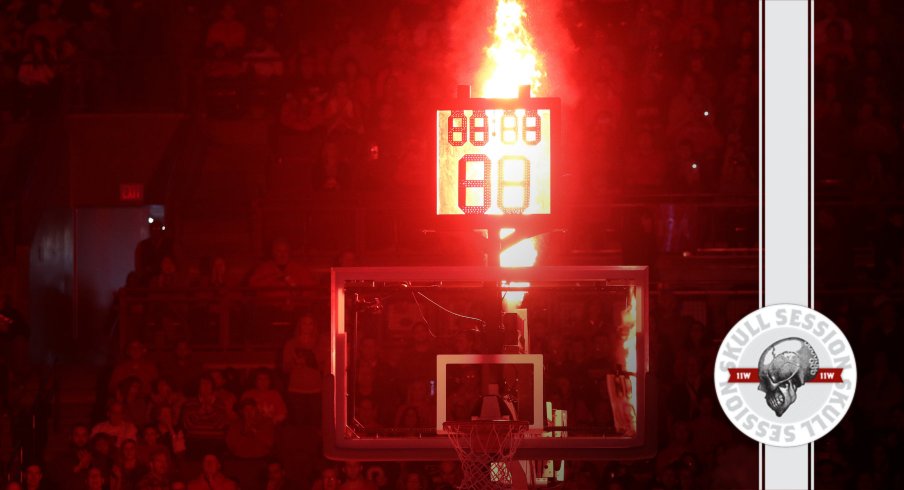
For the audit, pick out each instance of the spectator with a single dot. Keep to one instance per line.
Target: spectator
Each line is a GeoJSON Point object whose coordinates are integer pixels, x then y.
{"type": "Point", "coordinates": [205, 419]}
{"type": "Point", "coordinates": [150, 252]}
{"type": "Point", "coordinates": [96, 480]}
{"type": "Point", "coordinates": [226, 31]}
{"type": "Point", "coordinates": [162, 394]}
{"type": "Point", "coordinates": [354, 477]}
{"type": "Point", "coordinates": [158, 476]}
{"type": "Point", "coordinates": [277, 479]}
{"type": "Point", "coordinates": [329, 479]}
{"type": "Point", "coordinates": [103, 451]}
{"type": "Point", "coordinates": [128, 471]}
{"type": "Point", "coordinates": [148, 444]}
{"type": "Point", "coordinates": [134, 366]}
{"type": "Point", "coordinates": [222, 390]}
{"type": "Point", "coordinates": [217, 276]}
{"type": "Point", "coordinates": [413, 480]}
{"type": "Point", "coordinates": [34, 478]}
{"type": "Point", "coordinates": [135, 406]}
{"type": "Point", "coordinates": [269, 402]}
{"type": "Point", "coordinates": [304, 362]}
{"type": "Point", "coordinates": [169, 276]}
{"type": "Point", "coordinates": [116, 426]}
{"type": "Point", "coordinates": [69, 467]}
{"type": "Point", "coordinates": [211, 478]}
{"type": "Point", "coordinates": [182, 370]}
{"type": "Point", "coordinates": [171, 435]}
{"type": "Point", "coordinates": [252, 435]}
{"type": "Point", "coordinates": [281, 270]}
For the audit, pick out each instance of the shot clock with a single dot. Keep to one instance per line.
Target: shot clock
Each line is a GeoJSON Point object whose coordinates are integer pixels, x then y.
{"type": "Point", "coordinates": [494, 159]}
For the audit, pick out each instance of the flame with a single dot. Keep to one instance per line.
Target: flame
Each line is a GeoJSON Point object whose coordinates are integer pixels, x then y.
{"type": "Point", "coordinates": [521, 254]}
{"type": "Point", "coordinates": [628, 330]}
{"type": "Point", "coordinates": [511, 60]}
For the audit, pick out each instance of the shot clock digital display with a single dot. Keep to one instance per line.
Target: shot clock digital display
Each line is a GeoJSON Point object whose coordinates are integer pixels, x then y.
{"type": "Point", "coordinates": [493, 158]}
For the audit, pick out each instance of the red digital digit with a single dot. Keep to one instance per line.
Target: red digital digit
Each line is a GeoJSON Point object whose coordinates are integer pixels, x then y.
{"type": "Point", "coordinates": [464, 183]}
{"type": "Point", "coordinates": [509, 127]}
{"type": "Point", "coordinates": [458, 128]}
{"type": "Point", "coordinates": [523, 182]}
{"type": "Point", "coordinates": [530, 127]}
{"type": "Point", "coordinates": [479, 125]}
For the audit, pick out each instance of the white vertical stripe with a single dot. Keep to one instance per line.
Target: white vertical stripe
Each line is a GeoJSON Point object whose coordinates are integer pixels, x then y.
{"type": "Point", "coordinates": [786, 182]}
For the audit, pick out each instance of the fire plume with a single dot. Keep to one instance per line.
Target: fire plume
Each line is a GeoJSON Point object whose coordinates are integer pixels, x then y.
{"type": "Point", "coordinates": [511, 60]}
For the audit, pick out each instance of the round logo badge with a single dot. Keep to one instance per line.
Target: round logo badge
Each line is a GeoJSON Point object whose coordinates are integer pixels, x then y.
{"type": "Point", "coordinates": [785, 375]}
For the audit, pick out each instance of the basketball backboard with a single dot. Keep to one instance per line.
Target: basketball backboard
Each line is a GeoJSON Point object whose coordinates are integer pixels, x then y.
{"type": "Point", "coordinates": [564, 348]}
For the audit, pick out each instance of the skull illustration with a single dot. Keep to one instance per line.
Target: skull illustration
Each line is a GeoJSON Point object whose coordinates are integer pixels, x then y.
{"type": "Point", "coordinates": [784, 367]}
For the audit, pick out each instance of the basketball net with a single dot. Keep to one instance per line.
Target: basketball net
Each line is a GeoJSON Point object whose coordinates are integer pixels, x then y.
{"type": "Point", "coordinates": [485, 449]}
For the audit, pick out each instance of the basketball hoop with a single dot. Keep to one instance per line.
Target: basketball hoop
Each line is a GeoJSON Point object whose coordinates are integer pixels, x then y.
{"type": "Point", "coordinates": [485, 449]}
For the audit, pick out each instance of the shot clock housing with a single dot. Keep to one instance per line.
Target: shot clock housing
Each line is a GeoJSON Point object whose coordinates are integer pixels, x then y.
{"type": "Point", "coordinates": [494, 161]}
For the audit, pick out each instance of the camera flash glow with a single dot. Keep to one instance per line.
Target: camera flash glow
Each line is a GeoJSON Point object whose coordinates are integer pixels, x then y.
{"type": "Point", "coordinates": [705, 113]}
{"type": "Point", "coordinates": [694, 165]}
{"type": "Point", "coordinates": [150, 220]}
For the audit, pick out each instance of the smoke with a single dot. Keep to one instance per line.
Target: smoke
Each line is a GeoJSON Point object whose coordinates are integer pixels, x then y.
{"type": "Point", "coordinates": [471, 24]}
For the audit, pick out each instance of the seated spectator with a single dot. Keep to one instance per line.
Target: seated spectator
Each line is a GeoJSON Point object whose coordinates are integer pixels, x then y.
{"type": "Point", "coordinates": [162, 394]}
{"type": "Point", "coordinates": [449, 475]}
{"type": "Point", "coordinates": [223, 391]}
{"type": "Point", "coordinates": [170, 433]}
{"type": "Point", "coordinates": [269, 402]}
{"type": "Point", "coordinates": [96, 479]}
{"type": "Point", "coordinates": [211, 478]}
{"type": "Point", "coordinates": [34, 478]}
{"type": "Point", "coordinates": [276, 478]}
{"type": "Point", "coordinates": [281, 270]}
{"type": "Point", "coordinates": [252, 434]}
{"type": "Point", "coordinates": [158, 476]}
{"type": "Point", "coordinates": [329, 479]}
{"type": "Point", "coordinates": [116, 426]}
{"type": "Point", "coordinates": [148, 444]}
{"type": "Point", "coordinates": [102, 451]}
{"type": "Point", "coordinates": [413, 480]}
{"type": "Point", "coordinates": [354, 477]}
{"type": "Point", "coordinates": [205, 419]}
{"type": "Point", "coordinates": [216, 275]}
{"type": "Point", "coordinates": [182, 371]}
{"type": "Point", "coordinates": [304, 361]}
{"type": "Point", "coordinates": [226, 31]}
{"type": "Point", "coordinates": [169, 276]}
{"type": "Point", "coordinates": [69, 467]}
{"type": "Point", "coordinates": [134, 365]}
{"type": "Point", "coordinates": [135, 406]}
{"type": "Point", "coordinates": [128, 470]}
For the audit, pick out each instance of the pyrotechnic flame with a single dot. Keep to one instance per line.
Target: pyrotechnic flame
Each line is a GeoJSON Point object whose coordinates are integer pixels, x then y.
{"type": "Point", "coordinates": [629, 350]}
{"type": "Point", "coordinates": [511, 60]}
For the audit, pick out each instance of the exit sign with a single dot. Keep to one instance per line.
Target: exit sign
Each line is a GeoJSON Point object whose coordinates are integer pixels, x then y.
{"type": "Point", "coordinates": [131, 192]}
